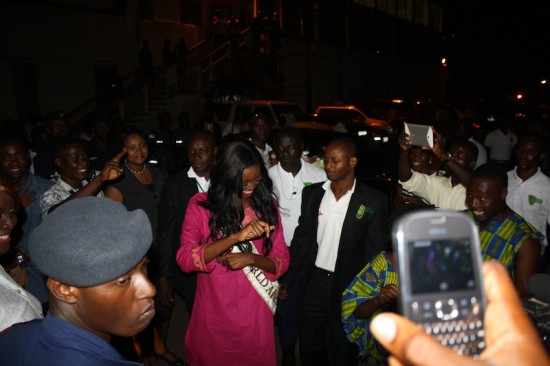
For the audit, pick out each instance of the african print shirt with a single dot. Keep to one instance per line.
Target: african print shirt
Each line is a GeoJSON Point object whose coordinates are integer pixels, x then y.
{"type": "Point", "coordinates": [502, 239]}
{"type": "Point", "coordinates": [367, 285]}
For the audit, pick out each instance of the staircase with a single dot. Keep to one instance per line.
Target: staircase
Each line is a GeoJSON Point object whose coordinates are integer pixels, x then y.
{"type": "Point", "coordinates": [138, 101]}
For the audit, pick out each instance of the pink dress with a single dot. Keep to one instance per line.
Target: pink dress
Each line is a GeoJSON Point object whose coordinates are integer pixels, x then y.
{"type": "Point", "coordinates": [230, 323]}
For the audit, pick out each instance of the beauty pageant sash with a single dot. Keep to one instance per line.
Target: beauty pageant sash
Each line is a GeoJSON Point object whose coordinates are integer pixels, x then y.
{"type": "Point", "coordinates": [268, 290]}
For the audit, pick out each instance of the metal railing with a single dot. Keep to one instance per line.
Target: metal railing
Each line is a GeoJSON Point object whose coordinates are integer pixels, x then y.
{"type": "Point", "coordinates": [133, 94]}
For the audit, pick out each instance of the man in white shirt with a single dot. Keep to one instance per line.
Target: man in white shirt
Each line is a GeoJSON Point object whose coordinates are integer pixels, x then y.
{"type": "Point", "coordinates": [176, 193]}
{"type": "Point", "coordinates": [528, 188]}
{"type": "Point", "coordinates": [289, 177]}
{"type": "Point", "coordinates": [500, 142]}
{"type": "Point", "coordinates": [343, 224]}
{"type": "Point", "coordinates": [445, 193]}
{"type": "Point", "coordinates": [260, 130]}
{"type": "Point", "coordinates": [464, 130]}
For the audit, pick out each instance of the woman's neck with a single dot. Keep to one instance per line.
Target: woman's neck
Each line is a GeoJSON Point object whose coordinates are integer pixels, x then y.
{"type": "Point", "coordinates": [135, 168]}
{"type": "Point", "coordinates": [246, 203]}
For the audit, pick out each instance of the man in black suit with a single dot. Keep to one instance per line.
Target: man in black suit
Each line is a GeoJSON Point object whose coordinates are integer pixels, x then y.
{"type": "Point", "coordinates": [177, 191]}
{"type": "Point", "coordinates": [343, 224]}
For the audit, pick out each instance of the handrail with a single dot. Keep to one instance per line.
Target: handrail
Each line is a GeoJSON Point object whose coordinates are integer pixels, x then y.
{"type": "Point", "coordinates": [197, 45]}
{"type": "Point", "coordinates": [213, 52]}
{"type": "Point", "coordinates": [131, 84]}
{"type": "Point", "coordinates": [207, 63]}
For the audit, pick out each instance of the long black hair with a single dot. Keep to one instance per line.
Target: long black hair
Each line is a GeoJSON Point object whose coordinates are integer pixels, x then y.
{"type": "Point", "coordinates": [226, 187]}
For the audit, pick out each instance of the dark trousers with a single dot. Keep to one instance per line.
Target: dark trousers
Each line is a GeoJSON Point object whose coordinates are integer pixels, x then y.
{"type": "Point", "coordinates": [286, 316]}
{"type": "Point", "coordinates": [322, 338]}
{"type": "Point", "coordinates": [185, 285]}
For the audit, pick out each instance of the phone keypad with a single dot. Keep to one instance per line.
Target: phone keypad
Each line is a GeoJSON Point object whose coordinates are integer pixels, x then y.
{"type": "Point", "coordinates": [464, 337]}
{"type": "Point", "coordinates": [455, 323]}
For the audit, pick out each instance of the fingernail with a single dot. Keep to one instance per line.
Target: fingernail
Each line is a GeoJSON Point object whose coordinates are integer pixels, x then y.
{"type": "Point", "coordinates": [384, 328]}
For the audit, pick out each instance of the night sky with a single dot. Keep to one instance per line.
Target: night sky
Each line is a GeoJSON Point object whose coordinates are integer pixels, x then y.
{"type": "Point", "coordinates": [496, 48]}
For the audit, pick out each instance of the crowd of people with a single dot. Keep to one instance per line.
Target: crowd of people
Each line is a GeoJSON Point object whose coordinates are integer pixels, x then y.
{"type": "Point", "coordinates": [96, 240]}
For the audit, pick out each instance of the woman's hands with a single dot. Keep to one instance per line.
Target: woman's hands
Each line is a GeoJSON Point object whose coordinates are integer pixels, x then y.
{"type": "Point", "coordinates": [253, 230]}
{"type": "Point", "coordinates": [236, 261]}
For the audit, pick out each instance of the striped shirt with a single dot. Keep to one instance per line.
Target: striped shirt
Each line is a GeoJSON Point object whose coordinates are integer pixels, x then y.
{"type": "Point", "coordinates": [502, 239]}
{"type": "Point", "coordinates": [367, 285]}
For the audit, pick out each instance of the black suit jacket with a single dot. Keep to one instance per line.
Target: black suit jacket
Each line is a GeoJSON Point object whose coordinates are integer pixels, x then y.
{"type": "Point", "coordinates": [364, 234]}
{"type": "Point", "coordinates": [176, 193]}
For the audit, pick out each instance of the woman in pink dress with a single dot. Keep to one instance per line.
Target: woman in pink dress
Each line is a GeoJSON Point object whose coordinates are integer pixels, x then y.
{"type": "Point", "coordinates": [233, 238]}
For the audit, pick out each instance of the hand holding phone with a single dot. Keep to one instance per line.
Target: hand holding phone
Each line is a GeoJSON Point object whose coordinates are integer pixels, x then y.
{"type": "Point", "coordinates": [511, 337]}
{"type": "Point", "coordinates": [441, 284]}
{"type": "Point", "coordinates": [420, 135]}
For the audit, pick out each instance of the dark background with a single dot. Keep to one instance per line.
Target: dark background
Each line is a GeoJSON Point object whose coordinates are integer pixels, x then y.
{"type": "Point", "coordinates": [497, 49]}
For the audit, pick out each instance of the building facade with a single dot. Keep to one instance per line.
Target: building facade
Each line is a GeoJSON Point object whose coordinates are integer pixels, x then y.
{"type": "Point", "coordinates": [65, 53]}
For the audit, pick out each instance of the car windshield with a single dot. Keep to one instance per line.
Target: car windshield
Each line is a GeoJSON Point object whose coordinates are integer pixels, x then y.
{"type": "Point", "coordinates": [289, 109]}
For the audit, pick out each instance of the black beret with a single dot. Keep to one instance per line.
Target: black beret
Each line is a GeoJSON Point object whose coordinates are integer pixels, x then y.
{"type": "Point", "coordinates": [90, 241]}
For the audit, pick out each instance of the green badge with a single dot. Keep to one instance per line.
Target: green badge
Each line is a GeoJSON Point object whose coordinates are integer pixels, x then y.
{"type": "Point", "coordinates": [532, 199]}
{"type": "Point", "coordinates": [307, 184]}
{"type": "Point", "coordinates": [360, 212]}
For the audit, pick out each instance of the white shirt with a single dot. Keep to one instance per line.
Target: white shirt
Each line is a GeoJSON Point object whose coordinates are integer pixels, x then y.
{"type": "Point", "coordinates": [265, 153]}
{"type": "Point", "coordinates": [202, 183]}
{"type": "Point", "coordinates": [16, 304]}
{"type": "Point", "coordinates": [501, 144]}
{"type": "Point", "coordinates": [531, 199]}
{"type": "Point", "coordinates": [438, 191]}
{"type": "Point", "coordinates": [332, 214]}
{"type": "Point", "coordinates": [288, 189]}
{"type": "Point", "coordinates": [481, 152]}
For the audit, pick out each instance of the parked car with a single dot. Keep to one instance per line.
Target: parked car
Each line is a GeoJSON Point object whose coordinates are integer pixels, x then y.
{"type": "Point", "coordinates": [282, 112]}
{"type": "Point", "coordinates": [349, 118]}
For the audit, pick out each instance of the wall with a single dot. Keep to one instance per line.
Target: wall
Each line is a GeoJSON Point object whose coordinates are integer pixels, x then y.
{"type": "Point", "coordinates": [66, 43]}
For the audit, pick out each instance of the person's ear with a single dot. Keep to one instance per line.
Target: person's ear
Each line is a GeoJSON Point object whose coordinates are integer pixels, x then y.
{"type": "Point", "coordinates": [353, 162]}
{"type": "Point", "coordinates": [67, 294]}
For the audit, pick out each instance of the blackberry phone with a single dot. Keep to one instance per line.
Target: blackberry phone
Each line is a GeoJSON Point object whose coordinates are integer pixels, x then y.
{"type": "Point", "coordinates": [441, 281]}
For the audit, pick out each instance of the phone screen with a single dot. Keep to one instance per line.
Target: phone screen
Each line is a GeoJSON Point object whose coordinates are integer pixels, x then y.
{"type": "Point", "coordinates": [441, 266]}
